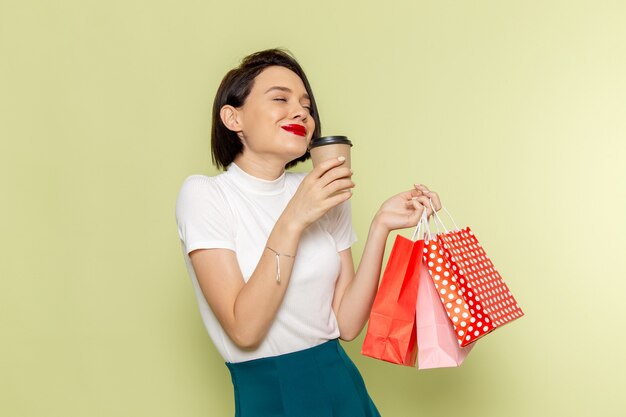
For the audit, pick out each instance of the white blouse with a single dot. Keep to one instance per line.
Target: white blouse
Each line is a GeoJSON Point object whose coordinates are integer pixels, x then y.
{"type": "Point", "coordinates": [237, 211]}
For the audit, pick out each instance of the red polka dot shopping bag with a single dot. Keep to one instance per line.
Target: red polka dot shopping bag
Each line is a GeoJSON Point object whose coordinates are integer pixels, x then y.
{"type": "Point", "coordinates": [391, 332]}
{"type": "Point", "coordinates": [475, 297]}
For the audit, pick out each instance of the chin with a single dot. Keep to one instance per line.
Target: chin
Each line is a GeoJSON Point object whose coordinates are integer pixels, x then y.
{"type": "Point", "coordinates": [298, 150]}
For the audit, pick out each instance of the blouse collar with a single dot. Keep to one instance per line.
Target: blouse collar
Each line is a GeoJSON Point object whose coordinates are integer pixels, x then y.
{"type": "Point", "coordinates": [254, 184]}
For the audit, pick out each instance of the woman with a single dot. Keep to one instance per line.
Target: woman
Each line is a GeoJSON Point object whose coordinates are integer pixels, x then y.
{"type": "Point", "coordinates": [268, 251]}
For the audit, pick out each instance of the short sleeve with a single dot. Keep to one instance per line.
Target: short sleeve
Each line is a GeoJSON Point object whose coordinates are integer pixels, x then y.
{"type": "Point", "coordinates": [204, 218]}
{"type": "Point", "coordinates": [340, 225]}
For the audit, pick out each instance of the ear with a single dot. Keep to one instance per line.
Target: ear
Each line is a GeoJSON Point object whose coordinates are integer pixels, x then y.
{"type": "Point", "coordinates": [231, 118]}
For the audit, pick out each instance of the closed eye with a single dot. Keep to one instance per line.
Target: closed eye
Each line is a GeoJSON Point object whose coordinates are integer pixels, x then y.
{"type": "Point", "coordinates": [308, 108]}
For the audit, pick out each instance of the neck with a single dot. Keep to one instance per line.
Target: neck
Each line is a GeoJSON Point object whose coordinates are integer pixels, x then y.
{"type": "Point", "coordinates": [265, 169]}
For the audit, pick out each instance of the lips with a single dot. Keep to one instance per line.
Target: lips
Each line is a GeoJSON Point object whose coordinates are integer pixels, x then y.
{"type": "Point", "coordinates": [295, 129]}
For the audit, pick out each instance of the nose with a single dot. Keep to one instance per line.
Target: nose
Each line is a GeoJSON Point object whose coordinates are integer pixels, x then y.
{"type": "Point", "coordinates": [299, 111]}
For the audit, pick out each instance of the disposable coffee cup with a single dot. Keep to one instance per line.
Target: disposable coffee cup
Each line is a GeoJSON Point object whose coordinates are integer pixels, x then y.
{"type": "Point", "coordinates": [329, 147]}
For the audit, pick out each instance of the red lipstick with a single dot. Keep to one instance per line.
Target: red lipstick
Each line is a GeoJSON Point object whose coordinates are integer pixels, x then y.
{"type": "Point", "coordinates": [295, 129]}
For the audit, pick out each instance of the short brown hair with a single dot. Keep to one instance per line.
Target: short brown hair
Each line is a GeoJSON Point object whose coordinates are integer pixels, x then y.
{"type": "Point", "coordinates": [235, 88]}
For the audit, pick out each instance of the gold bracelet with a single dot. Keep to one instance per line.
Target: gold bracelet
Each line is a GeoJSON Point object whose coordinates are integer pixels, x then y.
{"type": "Point", "coordinates": [278, 262]}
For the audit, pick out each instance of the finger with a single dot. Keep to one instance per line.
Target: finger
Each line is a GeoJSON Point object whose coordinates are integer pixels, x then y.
{"type": "Point", "coordinates": [338, 185]}
{"type": "Point", "coordinates": [334, 174]}
{"type": "Point", "coordinates": [415, 193]}
{"type": "Point", "coordinates": [436, 201]}
{"type": "Point", "coordinates": [421, 187]}
{"type": "Point", "coordinates": [338, 198]}
{"type": "Point", "coordinates": [325, 166]}
{"type": "Point", "coordinates": [419, 208]}
{"type": "Point", "coordinates": [424, 201]}
{"type": "Point", "coordinates": [430, 194]}
{"type": "Point", "coordinates": [411, 199]}
{"type": "Point", "coordinates": [410, 203]}
{"type": "Point", "coordinates": [405, 195]}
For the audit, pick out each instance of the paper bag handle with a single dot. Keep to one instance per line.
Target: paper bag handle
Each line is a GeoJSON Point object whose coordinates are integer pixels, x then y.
{"type": "Point", "coordinates": [437, 218]}
{"type": "Point", "coordinates": [422, 223]}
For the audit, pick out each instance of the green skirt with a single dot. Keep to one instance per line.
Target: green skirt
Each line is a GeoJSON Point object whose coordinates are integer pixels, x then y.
{"type": "Point", "coordinates": [320, 381]}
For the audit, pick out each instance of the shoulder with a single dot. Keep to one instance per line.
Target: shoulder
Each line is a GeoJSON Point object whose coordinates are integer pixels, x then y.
{"type": "Point", "coordinates": [203, 215]}
{"type": "Point", "coordinates": [198, 183]}
{"type": "Point", "coordinates": [202, 190]}
{"type": "Point", "coordinates": [199, 180]}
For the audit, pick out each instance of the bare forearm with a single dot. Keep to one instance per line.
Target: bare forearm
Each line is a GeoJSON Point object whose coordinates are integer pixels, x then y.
{"type": "Point", "coordinates": [357, 301]}
{"type": "Point", "coordinates": [260, 298]}
{"type": "Point", "coordinates": [248, 310]}
{"type": "Point", "coordinates": [401, 211]}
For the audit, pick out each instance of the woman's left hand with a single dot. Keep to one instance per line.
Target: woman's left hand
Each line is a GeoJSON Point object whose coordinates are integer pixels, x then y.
{"type": "Point", "coordinates": [405, 209]}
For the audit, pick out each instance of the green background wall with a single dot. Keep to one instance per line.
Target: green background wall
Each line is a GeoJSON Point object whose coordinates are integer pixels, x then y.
{"type": "Point", "coordinates": [514, 111]}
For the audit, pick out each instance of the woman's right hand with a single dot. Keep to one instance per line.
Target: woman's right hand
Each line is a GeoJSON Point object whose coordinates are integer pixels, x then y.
{"type": "Point", "coordinates": [315, 197]}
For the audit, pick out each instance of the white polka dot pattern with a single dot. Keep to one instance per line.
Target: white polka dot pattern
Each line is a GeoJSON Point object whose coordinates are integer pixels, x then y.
{"type": "Point", "coordinates": [476, 298]}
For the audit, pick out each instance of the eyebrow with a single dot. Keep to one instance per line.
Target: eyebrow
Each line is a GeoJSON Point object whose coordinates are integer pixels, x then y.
{"type": "Point", "coordinates": [287, 90]}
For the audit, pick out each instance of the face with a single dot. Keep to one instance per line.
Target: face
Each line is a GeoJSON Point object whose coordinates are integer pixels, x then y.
{"type": "Point", "coordinates": [275, 118]}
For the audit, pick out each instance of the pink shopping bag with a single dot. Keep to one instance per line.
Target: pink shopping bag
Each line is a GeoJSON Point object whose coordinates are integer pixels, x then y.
{"type": "Point", "coordinates": [437, 345]}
